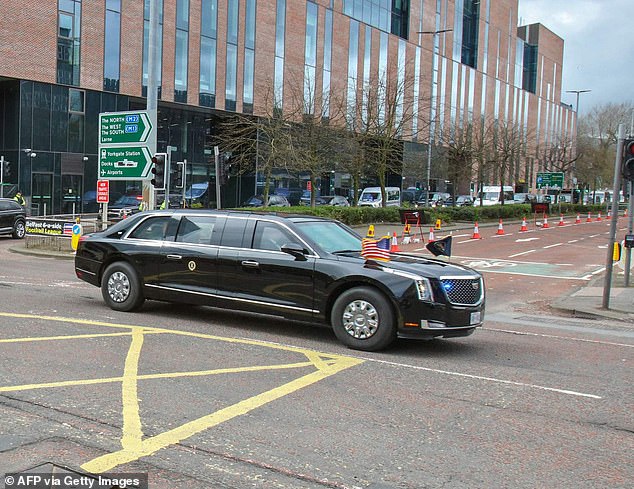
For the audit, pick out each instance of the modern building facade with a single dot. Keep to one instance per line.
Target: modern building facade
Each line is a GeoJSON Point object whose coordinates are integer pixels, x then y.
{"type": "Point", "coordinates": [62, 62]}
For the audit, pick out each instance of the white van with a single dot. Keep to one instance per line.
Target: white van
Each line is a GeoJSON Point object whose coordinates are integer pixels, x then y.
{"type": "Point", "coordinates": [371, 196]}
{"type": "Point", "coordinates": [491, 195]}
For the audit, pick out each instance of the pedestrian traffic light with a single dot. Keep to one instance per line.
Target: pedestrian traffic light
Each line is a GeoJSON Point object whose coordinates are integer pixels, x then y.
{"type": "Point", "coordinates": [158, 170]}
{"type": "Point", "coordinates": [628, 159]}
{"type": "Point", "coordinates": [6, 170]}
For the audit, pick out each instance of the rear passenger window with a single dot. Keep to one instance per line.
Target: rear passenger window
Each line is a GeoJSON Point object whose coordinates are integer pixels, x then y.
{"type": "Point", "coordinates": [153, 228]}
{"type": "Point", "coordinates": [233, 232]}
{"type": "Point", "coordinates": [196, 229]}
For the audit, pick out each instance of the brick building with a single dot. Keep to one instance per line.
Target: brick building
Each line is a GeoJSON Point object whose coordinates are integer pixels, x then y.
{"type": "Point", "coordinates": [63, 62]}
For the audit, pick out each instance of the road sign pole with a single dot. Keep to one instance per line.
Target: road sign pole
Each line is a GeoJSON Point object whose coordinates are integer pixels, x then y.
{"type": "Point", "coordinates": [1, 176]}
{"type": "Point", "coordinates": [615, 217]}
{"type": "Point", "coordinates": [217, 164]}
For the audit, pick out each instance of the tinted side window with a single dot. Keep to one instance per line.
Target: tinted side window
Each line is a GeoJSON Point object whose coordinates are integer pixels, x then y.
{"type": "Point", "coordinates": [270, 236]}
{"type": "Point", "coordinates": [153, 228]}
{"type": "Point", "coordinates": [233, 232]}
{"type": "Point", "coordinates": [4, 206]}
{"type": "Point", "coordinates": [196, 229]}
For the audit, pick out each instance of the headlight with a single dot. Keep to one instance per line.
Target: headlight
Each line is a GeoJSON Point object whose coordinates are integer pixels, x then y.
{"type": "Point", "coordinates": [423, 287]}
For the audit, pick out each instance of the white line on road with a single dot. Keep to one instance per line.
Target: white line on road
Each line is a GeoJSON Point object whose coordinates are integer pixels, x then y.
{"type": "Point", "coordinates": [569, 338]}
{"type": "Point", "coordinates": [573, 241]}
{"type": "Point", "coordinates": [552, 245]}
{"type": "Point", "coordinates": [480, 377]}
{"type": "Point", "coordinates": [522, 253]}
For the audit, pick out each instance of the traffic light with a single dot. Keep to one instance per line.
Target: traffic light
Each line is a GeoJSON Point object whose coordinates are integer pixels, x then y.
{"type": "Point", "coordinates": [628, 159]}
{"type": "Point", "coordinates": [6, 170]}
{"type": "Point", "coordinates": [179, 175]}
{"type": "Point", "coordinates": [158, 170]}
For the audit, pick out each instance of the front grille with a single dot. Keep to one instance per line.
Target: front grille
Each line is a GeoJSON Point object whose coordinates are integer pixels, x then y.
{"type": "Point", "coordinates": [463, 291]}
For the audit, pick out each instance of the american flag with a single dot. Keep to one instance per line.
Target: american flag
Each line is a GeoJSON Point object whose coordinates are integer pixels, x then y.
{"type": "Point", "coordinates": [68, 229]}
{"type": "Point", "coordinates": [376, 249]}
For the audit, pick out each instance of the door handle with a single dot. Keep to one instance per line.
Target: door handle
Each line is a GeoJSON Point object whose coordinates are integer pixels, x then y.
{"type": "Point", "coordinates": [250, 264]}
{"type": "Point", "coordinates": [174, 257]}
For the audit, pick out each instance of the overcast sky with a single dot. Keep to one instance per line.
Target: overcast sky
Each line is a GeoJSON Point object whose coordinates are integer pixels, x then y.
{"type": "Point", "coordinates": [598, 46]}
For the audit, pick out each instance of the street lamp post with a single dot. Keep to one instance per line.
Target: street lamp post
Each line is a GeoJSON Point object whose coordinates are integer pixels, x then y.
{"type": "Point", "coordinates": [432, 106]}
{"type": "Point", "coordinates": [578, 92]}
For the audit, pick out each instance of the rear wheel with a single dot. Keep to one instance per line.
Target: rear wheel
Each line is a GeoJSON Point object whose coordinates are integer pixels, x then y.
{"type": "Point", "coordinates": [19, 229]}
{"type": "Point", "coordinates": [362, 319]}
{"type": "Point", "coordinates": [121, 288]}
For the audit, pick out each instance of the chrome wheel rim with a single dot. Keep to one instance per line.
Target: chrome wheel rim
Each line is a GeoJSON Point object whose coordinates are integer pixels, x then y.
{"type": "Point", "coordinates": [20, 230]}
{"type": "Point", "coordinates": [118, 287]}
{"type": "Point", "coordinates": [360, 319]}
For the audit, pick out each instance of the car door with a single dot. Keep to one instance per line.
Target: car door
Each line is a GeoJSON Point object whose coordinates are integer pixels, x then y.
{"type": "Point", "coordinates": [188, 264]}
{"type": "Point", "coordinates": [6, 216]}
{"type": "Point", "coordinates": [272, 281]}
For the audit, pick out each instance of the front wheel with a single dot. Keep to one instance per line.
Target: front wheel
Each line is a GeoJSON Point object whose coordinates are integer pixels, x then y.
{"type": "Point", "coordinates": [19, 230]}
{"type": "Point", "coordinates": [362, 319]}
{"type": "Point", "coordinates": [120, 287]}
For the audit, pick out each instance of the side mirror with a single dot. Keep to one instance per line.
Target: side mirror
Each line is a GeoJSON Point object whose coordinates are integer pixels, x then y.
{"type": "Point", "coordinates": [296, 250]}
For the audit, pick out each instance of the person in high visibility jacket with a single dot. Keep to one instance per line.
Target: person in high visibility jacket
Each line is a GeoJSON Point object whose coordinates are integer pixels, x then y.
{"type": "Point", "coordinates": [20, 199]}
{"type": "Point", "coordinates": [142, 206]}
{"type": "Point", "coordinates": [162, 206]}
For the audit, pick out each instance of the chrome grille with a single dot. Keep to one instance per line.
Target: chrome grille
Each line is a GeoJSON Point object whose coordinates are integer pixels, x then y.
{"type": "Point", "coordinates": [463, 291]}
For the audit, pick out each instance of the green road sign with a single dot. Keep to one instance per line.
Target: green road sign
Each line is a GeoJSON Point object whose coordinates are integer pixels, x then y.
{"type": "Point", "coordinates": [124, 163]}
{"type": "Point", "coordinates": [124, 127]}
{"type": "Point", "coordinates": [550, 179]}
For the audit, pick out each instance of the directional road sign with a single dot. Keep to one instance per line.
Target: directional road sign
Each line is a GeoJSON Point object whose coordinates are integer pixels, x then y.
{"type": "Point", "coordinates": [124, 127]}
{"type": "Point", "coordinates": [550, 179]}
{"type": "Point", "coordinates": [124, 163]}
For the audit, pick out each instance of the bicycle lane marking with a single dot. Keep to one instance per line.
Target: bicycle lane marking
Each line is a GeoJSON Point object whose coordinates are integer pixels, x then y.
{"type": "Point", "coordinates": [562, 271]}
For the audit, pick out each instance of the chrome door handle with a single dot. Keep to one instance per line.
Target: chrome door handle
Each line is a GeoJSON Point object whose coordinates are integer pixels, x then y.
{"type": "Point", "coordinates": [250, 264]}
{"type": "Point", "coordinates": [174, 257]}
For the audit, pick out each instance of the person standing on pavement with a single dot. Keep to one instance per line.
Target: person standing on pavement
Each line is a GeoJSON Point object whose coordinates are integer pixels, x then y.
{"type": "Point", "coordinates": [20, 199]}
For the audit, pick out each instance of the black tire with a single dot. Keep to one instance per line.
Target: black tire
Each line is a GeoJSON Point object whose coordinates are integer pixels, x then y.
{"type": "Point", "coordinates": [362, 319]}
{"type": "Point", "coordinates": [19, 229]}
{"type": "Point", "coordinates": [120, 287]}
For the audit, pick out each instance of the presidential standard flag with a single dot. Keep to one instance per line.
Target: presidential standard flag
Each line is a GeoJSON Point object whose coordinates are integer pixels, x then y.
{"type": "Point", "coordinates": [440, 246]}
{"type": "Point", "coordinates": [376, 249]}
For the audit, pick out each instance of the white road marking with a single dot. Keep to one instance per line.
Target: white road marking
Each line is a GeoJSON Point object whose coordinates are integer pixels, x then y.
{"type": "Point", "coordinates": [522, 253]}
{"type": "Point", "coordinates": [573, 241]}
{"type": "Point", "coordinates": [480, 377]}
{"type": "Point", "coordinates": [568, 338]}
{"type": "Point", "coordinates": [553, 245]}
{"type": "Point", "coordinates": [526, 240]}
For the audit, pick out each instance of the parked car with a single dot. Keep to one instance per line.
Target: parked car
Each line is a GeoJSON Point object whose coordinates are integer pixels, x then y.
{"type": "Point", "coordinates": [124, 206]}
{"type": "Point", "coordinates": [305, 198]}
{"type": "Point", "coordinates": [292, 194]}
{"type": "Point", "coordinates": [274, 201]}
{"type": "Point", "coordinates": [334, 200]}
{"type": "Point", "coordinates": [461, 201]}
{"type": "Point", "coordinates": [372, 197]}
{"type": "Point", "coordinates": [299, 267]}
{"type": "Point", "coordinates": [523, 198]}
{"type": "Point", "coordinates": [436, 199]}
{"type": "Point", "coordinates": [12, 218]}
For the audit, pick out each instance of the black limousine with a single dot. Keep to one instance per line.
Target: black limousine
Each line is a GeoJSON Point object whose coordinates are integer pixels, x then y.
{"type": "Point", "coordinates": [298, 267]}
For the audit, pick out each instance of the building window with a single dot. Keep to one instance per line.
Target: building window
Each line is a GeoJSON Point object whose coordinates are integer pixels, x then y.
{"type": "Point", "coordinates": [249, 57]}
{"type": "Point", "coordinates": [400, 18]}
{"type": "Point", "coordinates": [310, 58]}
{"type": "Point", "coordinates": [231, 75]}
{"type": "Point", "coordinates": [68, 41]}
{"type": "Point", "coordinates": [146, 45]}
{"type": "Point", "coordinates": [353, 63]}
{"type": "Point", "coordinates": [76, 109]}
{"type": "Point", "coordinates": [182, 51]}
{"type": "Point", "coordinates": [208, 33]}
{"type": "Point", "coordinates": [280, 27]}
{"type": "Point", "coordinates": [470, 31]}
{"type": "Point", "coordinates": [327, 64]}
{"type": "Point", "coordinates": [387, 15]}
{"type": "Point", "coordinates": [112, 46]}
{"type": "Point", "coordinates": [529, 68]}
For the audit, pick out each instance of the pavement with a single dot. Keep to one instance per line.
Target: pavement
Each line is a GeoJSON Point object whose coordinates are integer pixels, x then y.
{"type": "Point", "coordinates": [584, 301]}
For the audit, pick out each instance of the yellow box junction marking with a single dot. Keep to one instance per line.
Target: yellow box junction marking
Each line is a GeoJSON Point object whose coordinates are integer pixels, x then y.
{"type": "Point", "coordinates": [133, 445]}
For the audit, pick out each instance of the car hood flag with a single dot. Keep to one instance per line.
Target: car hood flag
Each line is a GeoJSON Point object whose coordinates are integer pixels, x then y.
{"type": "Point", "coordinates": [376, 249]}
{"type": "Point", "coordinates": [440, 246]}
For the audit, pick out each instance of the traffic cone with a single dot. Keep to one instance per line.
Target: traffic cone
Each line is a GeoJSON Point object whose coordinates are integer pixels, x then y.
{"type": "Point", "coordinates": [561, 220]}
{"type": "Point", "coordinates": [438, 225]}
{"type": "Point", "coordinates": [500, 229]}
{"type": "Point", "coordinates": [599, 216]}
{"type": "Point", "coordinates": [524, 226]}
{"type": "Point", "coordinates": [589, 218]}
{"type": "Point", "coordinates": [545, 225]}
{"type": "Point", "coordinates": [476, 232]}
{"type": "Point", "coordinates": [609, 214]}
{"type": "Point", "coordinates": [578, 220]}
{"type": "Point", "coordinates": [431, 235]}
{"type": "Point", "coordinates": [370, 233]}
{"type": "Point", "coordinates": [625, 213]}
{"type": "Point", "coordinates": [407, 238]}
{"type": "Point", "coordinates": [394, 244]}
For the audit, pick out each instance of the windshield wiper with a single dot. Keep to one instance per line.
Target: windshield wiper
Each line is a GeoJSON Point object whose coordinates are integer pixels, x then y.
{"type": "Point", "coordinates": [343, 252]}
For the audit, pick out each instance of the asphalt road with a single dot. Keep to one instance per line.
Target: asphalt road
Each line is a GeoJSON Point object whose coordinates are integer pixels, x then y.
{"type": "Point", "coordinates": [205, 398]}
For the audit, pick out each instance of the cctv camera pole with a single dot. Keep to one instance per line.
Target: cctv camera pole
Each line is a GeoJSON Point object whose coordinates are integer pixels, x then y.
{"type": "Point", "coordinates": [615, 217]}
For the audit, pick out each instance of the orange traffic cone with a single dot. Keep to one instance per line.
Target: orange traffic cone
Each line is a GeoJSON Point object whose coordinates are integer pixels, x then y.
{"type": "Point", "coordinates": [500, 229]}
{"type": "Point", "coordinates": [625, 213]}
{"type": "Point", "coordinates": [476, 232]}
{"type": "Point", "coordinates": [524, 226]}
{"type": "Point", "coordinates": [609, 215]}
{"type": "Point", "coordinates": [545, 225]}
{"type": "Point", "coordinates": [561, 220]}
{"type": "Point", "coordinates": [578, 220]}
{"type": "Point", "coordinates": [589, 218]}
{"type": "Point", "coordinates": [599, 216]}
{"type": "Point", "coordinates": [431, 235]}
{"type": "Point", "coordinates": [394, 244]}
